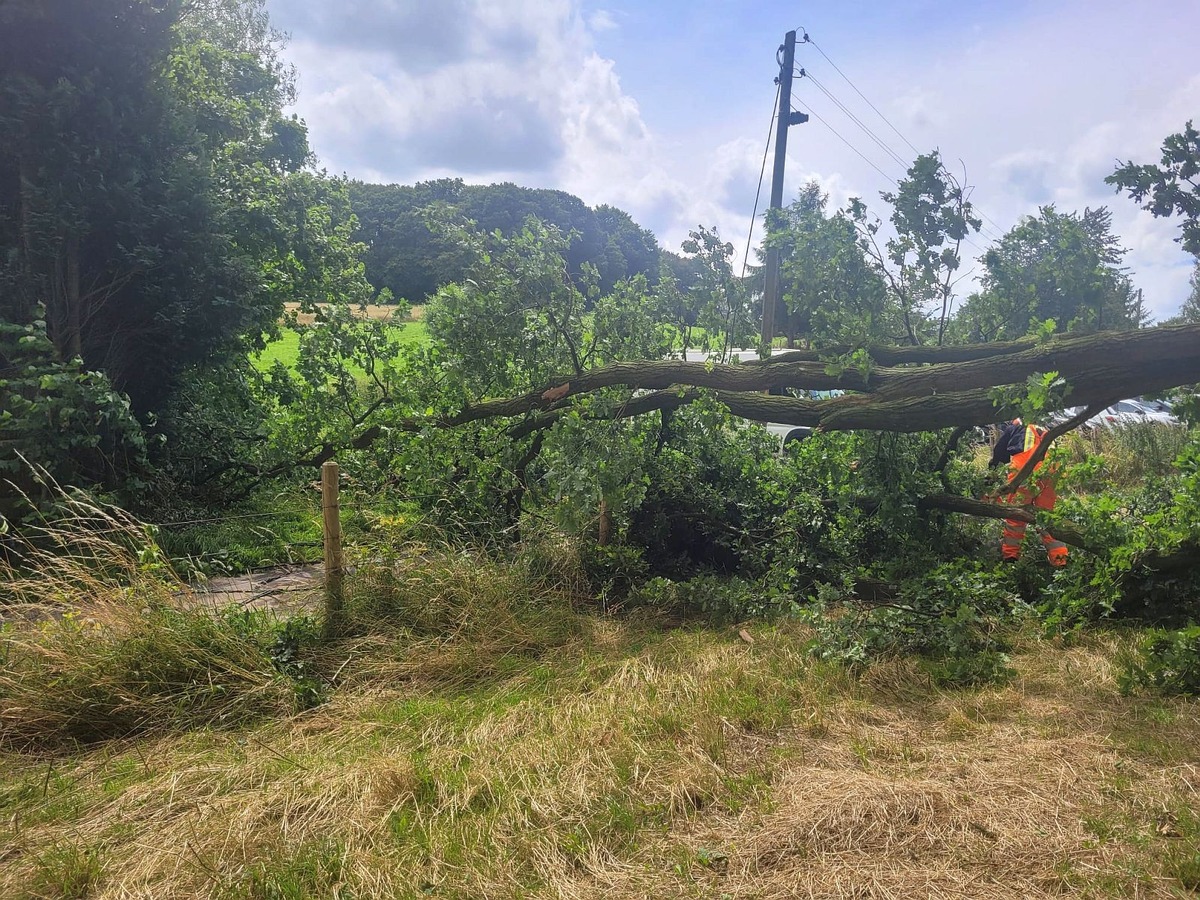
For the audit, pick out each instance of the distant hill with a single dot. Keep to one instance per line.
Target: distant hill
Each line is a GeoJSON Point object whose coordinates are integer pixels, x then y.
{"type": "Point", "coordinates": [404, 256]}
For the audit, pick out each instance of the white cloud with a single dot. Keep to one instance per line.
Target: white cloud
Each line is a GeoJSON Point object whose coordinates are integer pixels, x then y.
{"type": "Point", "coordinates": [602, 20]}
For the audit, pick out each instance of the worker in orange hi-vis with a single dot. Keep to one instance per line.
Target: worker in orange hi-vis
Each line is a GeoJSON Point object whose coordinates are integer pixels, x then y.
{"type": "Point", "coordinates": [1014, 445]}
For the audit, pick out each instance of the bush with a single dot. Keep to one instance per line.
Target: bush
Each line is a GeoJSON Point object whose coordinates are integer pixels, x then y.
{"type": "Point", "coordinates": [715, 597]}
{"type": "Point", "coordinates": [1164, 662]}
{"type": "Point", "coordinates": [956, 618]}
{"type": "Point", "coordinates": [1152, 534]}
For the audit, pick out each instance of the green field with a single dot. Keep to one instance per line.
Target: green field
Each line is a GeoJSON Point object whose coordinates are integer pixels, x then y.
{"type": "Point", "coordinates": [287, 348]}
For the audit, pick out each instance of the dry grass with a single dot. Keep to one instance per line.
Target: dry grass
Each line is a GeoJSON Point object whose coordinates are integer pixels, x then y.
{"type": "Point", "coordinates": [106, 642]}
{"type": "Point", "coordinates": [631, 762]}
{"type": "Point", "coordinates": [485, 739]}
{"type": "Point", "coordinates": [370, 311]}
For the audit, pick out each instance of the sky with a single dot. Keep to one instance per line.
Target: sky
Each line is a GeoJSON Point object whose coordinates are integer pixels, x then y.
{"type": "Point", "coordinates": [662, 107]}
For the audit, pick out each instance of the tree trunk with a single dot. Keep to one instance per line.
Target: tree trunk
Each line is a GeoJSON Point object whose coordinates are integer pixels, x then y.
{"type": "Point", "coordinates": [72, 339]}
{"type": "Point", "coordinates": [23, 307]}
{"type": "Point", "coordinates": [605, 535]}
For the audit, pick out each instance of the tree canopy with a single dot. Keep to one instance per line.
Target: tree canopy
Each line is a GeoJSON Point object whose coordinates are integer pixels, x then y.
{"type": "Point", "coordinates": [411, 256]}
{"type": "Point", "coordinates": [1060, 266]}
{"type": "Point", "coordinates": [1170, 188]}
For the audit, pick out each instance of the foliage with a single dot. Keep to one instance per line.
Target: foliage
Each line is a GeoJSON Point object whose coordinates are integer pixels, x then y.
{"type": "Point", "coordinates": [1171, 187]}
{"type": "Point", "coordinates": [288, 643]}
{"type": "Point", "coordinates": [1064, 267]}
{"type": "Point", "coordinates": [1151, 531]}
{"type": "Point", "coordinates": [270, 528]}
{"type": "Point", "coordinates": [521, 317]}
{"type": "Point", "coordinates": [932, 216]}
{"type": "Point", "coordinates": [832, 293]}
{"type": "Point", "coordinates": [1189, 312]}
{"type": "Point", "coordinates": [719, 302]}
{"type": "Point", "coordinates": [715, 598]}
{"type": "Point", "coordinates": [61, 418]}
{"type": "Point", "coordinates": [955, 617]}
{"type": "Point", "coordinates": [156, 205]}
{"type": "Point", "coordinates": [711, 495]}
{"type": "Point", "coordinates": [1041, 394]}
{"type": "Point", "coordinates": [411, 257]}
{"type": "Point", "coordinates": [1164, 662]}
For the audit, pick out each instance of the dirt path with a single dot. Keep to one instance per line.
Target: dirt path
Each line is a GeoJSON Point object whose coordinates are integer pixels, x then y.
{"type": "Point", "coordinates": [284, 590]}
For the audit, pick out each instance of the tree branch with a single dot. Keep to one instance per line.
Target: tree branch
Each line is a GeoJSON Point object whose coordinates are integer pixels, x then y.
{"type": "Point", "coordinates": [1063, 531]}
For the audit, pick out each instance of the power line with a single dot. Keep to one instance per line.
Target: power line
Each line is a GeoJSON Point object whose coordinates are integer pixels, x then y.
{"type": "Point", "coordinates": [796, 100]}
{"type": "Point", "coordinates": [808, 40]}
{"type": "Point", "coordinates": [879, 142]}
{"type": "Point", "coordinates": [762, 172]}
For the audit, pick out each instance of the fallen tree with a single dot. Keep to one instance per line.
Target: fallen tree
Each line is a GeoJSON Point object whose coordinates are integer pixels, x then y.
{"type": "Point", "coordinates": [899, 389]}
{"type": "Point", "coordinates": [924, 397]}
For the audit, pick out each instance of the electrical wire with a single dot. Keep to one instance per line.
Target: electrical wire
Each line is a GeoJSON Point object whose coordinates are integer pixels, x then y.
{"type": "Point", "coordinates": [879, 142]}
{"type": "Point", "coordinates": [762, 172]}
{"type": "Point", "coordinates": [817, 47]}
{"type": "Point", "coordinates": [798, 102]}
{"type": "Point", "coordinates": [808, 40]}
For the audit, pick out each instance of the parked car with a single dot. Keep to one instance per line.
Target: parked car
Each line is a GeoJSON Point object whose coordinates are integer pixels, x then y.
{"type": "Point", "coordinates": [1158, 411]}
{"type": "Point", "coordinates": [1120, 414]}
{"type": "Point", "coordinates": [786, 434]}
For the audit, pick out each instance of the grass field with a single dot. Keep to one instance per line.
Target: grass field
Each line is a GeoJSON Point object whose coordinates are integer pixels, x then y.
{"type": "Point", "coordinates": [485, 736]}
{"type": "Point", "coordinates": [287, 348]}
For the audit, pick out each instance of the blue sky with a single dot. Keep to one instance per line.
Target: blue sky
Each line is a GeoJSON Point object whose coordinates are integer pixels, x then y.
{"type": "Point", "coordinates": [662, 108]}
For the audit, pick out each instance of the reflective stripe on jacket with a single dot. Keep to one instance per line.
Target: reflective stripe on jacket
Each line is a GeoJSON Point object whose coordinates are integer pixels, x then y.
{"type": "Point", "coordinates": [1031, 439]}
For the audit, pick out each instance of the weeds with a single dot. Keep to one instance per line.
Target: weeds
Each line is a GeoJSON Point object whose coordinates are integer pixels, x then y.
{"type": "Point", "coordinates": [1164, 662]}
{"type": "Point", "coordinates": [66, 872]}
{"type": "Point", "coordinates": [1126, 455]}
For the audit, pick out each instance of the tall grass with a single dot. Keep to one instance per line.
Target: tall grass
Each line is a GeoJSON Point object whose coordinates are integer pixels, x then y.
{"type": "Point", "coordinates": [104, 641]}
{"type": "Point", "coordinates": [1128, 453]}
{"type": "Point", "coordinates": [450, 614]}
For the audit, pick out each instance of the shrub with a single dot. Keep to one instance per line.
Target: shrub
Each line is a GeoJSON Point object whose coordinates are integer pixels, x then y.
{"type": "Point", "coordinates": [1165, 662]}
{"type": "Point", "coordinates": [1152, 534]}
{"type": "Point", "coordinates": [955, 618]}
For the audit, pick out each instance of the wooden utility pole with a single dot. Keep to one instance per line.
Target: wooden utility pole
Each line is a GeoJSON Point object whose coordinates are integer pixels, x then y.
{"type": "Point", "coordinates": [331, 516]}
{"type": "Point", "coordinates": [786, 118]}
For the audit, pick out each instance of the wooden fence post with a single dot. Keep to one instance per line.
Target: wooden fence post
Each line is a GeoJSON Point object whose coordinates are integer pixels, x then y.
{"type": "Point", "coordinates": [332, 521]}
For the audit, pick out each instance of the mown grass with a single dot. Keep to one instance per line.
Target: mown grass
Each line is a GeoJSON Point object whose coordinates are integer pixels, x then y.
{"type": "Point", "coordinates": [487, 734]}
{"type": "Point", "coordinates": [286, 349]}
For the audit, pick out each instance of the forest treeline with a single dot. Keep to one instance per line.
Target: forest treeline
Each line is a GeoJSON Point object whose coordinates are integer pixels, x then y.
{"type": "Point", "coordinates": [410, 256]}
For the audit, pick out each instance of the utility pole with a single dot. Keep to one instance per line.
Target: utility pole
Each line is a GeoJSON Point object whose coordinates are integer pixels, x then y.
{"type": "Point", "coordinates": [785, 119]}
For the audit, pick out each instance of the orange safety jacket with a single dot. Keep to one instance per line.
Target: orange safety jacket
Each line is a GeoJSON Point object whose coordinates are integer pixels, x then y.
{"type": "Point", "coordinates": [1016, 443]}
{"type": "Point", "coordinates": [1032, 439]}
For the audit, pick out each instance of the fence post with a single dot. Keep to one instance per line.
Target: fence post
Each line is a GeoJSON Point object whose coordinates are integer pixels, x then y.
{"type": "Point", "coordinates": [332, 522]}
